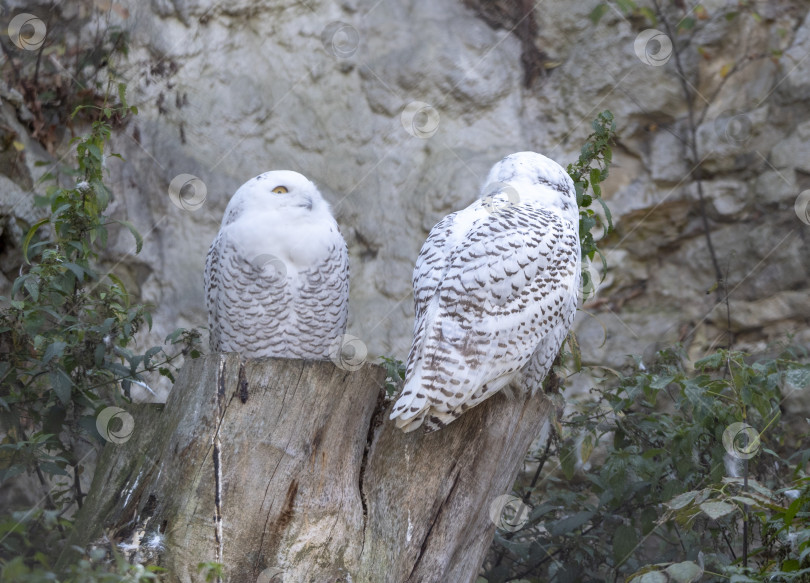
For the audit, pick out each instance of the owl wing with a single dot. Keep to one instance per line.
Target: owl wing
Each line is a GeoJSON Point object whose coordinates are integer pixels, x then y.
{"type": "Point", "coordinates": [428, 273]}
{"type": "Point", "coordinates": [498, 287]}
{"type": "Point", "coordinates": [249, 302]}
{"type": "Point", "coordinates": [322, 302]}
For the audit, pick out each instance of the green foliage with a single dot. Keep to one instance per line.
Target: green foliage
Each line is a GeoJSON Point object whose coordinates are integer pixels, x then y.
{"type": "Point", "coordinates": [68, 72]}
{"type": "Point", "coordinates": [211, 570]}
{"type": "Point", "coordinates": [66, 331]}
{"type": "Point", "coordinates": [648, 476]}
{"type": "Point", "coordinates": [91, 569]}
{"type": "Point", "coordinates": [589, 171]}
{"type": "Point", "coordinates": [395, 374]}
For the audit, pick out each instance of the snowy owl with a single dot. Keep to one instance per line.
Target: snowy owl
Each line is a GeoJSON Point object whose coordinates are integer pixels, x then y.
{"type": "Point", "coordinates": [495, 293]}
{"type": "Point", "coordinates": [277, 273]}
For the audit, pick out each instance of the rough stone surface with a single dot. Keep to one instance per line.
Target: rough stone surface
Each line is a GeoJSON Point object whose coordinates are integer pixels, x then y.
{"type": "Point", "coordinates": [229, 90]}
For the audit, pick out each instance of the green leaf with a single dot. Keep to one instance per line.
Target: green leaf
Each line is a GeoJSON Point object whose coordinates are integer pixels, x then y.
{"type": "Point", "coordinates": [608, 216]}
{"type": "Point", "coordinates": [626, 6]}
{"type": "Point", "coordinates": [98, 354]}
{"type": "Point", "coordinates": [794, 507]}
{"type": "Point", "coordinates": [32, 287]}
{"type": "Point", "coordinates": [95, 152]}
{"type": "Point", "coordinates": [135, 233]}
{"type": "Point", "coordinates": [625, 541]}
{"type": "Point", "coordinates": [682, 500]}
{"type": "Point", "coordinates": [31, 232]}
{"type": "Point", "coordinates": [686, 24]}
{"type": "Point", "coordinates": [649, 519]}
{"type": "Point", "coordinates": [122, 94]}
{"type": "Point", "coordinates": [568, 461]}
{"type": "Point", "coordinates": [77, 270]}
{"type": "Point", "coordinates": [54, 350]}
{"type": "Point", "coordinates": [598, 12]}
{"type": "Point", "coordinates": [571, 523]}
{"type": "Point", "coordinates": [717, 509]}
{"type": "Point", "coordinates": [685, 572]}
{"type": "Point", "coordinates": [790, 565]}
{"type": "Point", "coordinates": [61, 384]}
{"type": "Point", "coordinates": [165, 372]}
{"type": "Point", "coordinates": [53, 469]}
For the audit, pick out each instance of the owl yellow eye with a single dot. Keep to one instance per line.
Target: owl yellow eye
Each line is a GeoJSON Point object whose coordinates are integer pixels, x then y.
{"type": "Point", "coordinates": [280, 189]}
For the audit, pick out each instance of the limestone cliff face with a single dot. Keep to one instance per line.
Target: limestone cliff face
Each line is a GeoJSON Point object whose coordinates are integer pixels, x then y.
{"type": "Point", "coordinates": [228, 90]}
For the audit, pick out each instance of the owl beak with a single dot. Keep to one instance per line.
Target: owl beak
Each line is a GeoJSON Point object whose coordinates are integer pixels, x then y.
{"type": "Point", "coordinates": [307, 205]}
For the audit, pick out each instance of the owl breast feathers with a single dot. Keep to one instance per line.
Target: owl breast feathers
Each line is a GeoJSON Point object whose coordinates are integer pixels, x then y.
{"type": "Point", "coordinates": [277, 273]}
{"type": "Point", "coordinates": [495, 293]}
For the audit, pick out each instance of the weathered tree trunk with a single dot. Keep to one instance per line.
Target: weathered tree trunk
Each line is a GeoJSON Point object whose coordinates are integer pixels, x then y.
{"type": "Point", "coordinates": [287, 470]}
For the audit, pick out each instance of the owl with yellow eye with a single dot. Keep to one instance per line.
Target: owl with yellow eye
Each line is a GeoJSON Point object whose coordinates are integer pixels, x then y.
{"type": "Point", "coordinates": [277, 273]}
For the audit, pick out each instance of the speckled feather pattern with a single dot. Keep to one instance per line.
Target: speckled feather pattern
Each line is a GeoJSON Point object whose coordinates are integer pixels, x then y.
{"type": "Point", "coordinates": [495, 293]}
{"type": "Point", "coordinates": [277, 274]}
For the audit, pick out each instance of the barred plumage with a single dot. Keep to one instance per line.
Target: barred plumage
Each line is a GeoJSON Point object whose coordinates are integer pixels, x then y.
{"type": "Point", "coordinates": [277, 274]}
{"type": "Point", "coordinates": [495, 293]}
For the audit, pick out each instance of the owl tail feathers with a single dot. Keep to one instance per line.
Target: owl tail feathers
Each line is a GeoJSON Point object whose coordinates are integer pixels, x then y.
{"type": "Point", "coordinates": [410, 409]}
{"type": "Point", "coordinates": [413, 409]}
{"type": "Point", "coordinates": [431, 419]}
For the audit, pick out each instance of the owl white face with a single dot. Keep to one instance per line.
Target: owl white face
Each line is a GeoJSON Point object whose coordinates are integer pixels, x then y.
{"type": "Point", "coordinates": [276, 192]}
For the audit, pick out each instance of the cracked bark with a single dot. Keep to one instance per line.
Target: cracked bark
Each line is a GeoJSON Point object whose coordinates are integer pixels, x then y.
{"type": "Point", "coordinates": [314, 482]}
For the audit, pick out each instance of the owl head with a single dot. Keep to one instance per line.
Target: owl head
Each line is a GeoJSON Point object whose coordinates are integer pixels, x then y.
{"type": "Point", "coordinates": [531, 177]}
{"type": "Point", "coordinates": [281, 194]}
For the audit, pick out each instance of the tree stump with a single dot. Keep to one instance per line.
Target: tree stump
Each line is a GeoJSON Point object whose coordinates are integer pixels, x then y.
{"type": "Point", "coordinates": [289, 470]}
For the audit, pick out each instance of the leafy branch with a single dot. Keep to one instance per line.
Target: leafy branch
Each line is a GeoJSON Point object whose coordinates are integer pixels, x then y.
{"type": "Point", "coordinates": [67, 328]}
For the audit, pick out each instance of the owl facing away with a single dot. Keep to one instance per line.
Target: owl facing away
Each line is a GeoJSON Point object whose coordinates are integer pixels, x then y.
{"type": "Point", "coordinates": [495, 293]}
{"type": "Point", "coordinates": [277, 273]}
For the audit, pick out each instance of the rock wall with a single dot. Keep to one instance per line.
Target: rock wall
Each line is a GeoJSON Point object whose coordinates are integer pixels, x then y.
{"type": "Point", "coordinates": [397, 109]}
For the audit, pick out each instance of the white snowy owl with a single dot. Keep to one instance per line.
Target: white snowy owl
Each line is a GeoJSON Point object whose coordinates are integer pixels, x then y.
{"type": "Point", "coordinates": [277, 274]}
{"type": "Point", "coordinates": [495, 292]}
